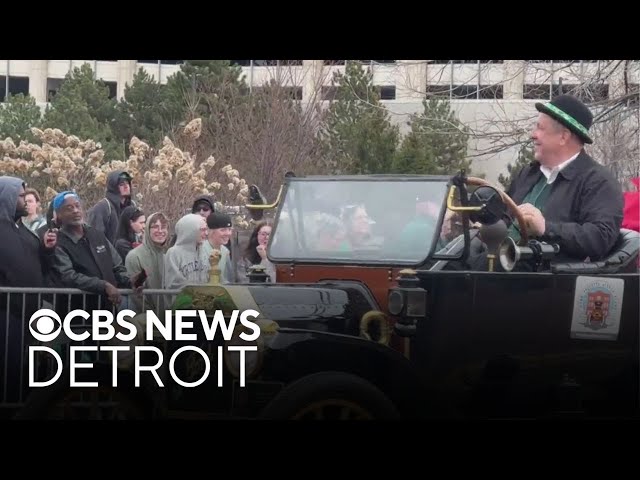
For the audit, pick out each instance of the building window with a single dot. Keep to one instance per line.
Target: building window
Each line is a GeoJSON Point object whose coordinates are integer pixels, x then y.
{"type": "Point", "coordinates": [543, 92]}
{"type": "Point", "coordinates": [464, 91]}
{"type": "Point", "coordinates": [172, 62]}
{"type": "Point", "coordinates": [329, 93]}
{"type": "Point", "coordinates": [593, 93]}
{"type": "Point", "coordinates": [17, 85]}
{"type": "Point", "coordinates": [490, 92]}
{"type": "Point", "coordinates": [147, 61]}
{"type": "Point", "coordinates": [438, 91]}
{"type": "Point", "coordinates": [335, 62]}
{"type": "Point", "coordinates": [565, 88]}
{"type": "Point", "coordinates": [294, 92]}
{"type": "Point", "coordinates": [265, 63]}
{"type": "Point", "coordinates": [241, 63]}
{"type": "Point", "coordinates": [53, 85]}
{"type": "Point", "coordinates": [113, 89]}
{"type": "Point", "coordinates": [388, 92]}
{"type": "Point", "coordinates": [290, 63]}
{"type": "Point", "coordinates": [535, 91]}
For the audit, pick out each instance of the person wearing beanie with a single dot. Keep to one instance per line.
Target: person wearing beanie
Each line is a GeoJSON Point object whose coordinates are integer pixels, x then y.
{"type": "Point", "coordinates": [220, 230]}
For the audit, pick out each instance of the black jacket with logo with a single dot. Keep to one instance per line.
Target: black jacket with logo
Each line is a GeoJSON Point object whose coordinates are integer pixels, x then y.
{"type": "Point", "coordinates": [88, 262]}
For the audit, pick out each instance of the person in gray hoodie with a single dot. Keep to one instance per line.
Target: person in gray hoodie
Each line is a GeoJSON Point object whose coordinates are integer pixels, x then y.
{"type": "Point", "coordinates": [105, 215]}
{"type": "Point", "coordinates": [150, 257]}
{"type": "Point", "coordinates": [183, 263]}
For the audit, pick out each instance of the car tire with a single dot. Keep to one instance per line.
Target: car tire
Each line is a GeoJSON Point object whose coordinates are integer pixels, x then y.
{"type": "Point", "coordinates": [332, 396]}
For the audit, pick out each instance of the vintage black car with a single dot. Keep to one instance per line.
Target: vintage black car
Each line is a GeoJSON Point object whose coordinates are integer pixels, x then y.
{"type": "Point", "coordinates": [376, 313]}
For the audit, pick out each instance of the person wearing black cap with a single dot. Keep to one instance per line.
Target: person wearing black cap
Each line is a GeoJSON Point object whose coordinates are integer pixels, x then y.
{"type": "Point", "coordinates": [220, 230]}
{"type": "Point", "coordinates": [565, 196]}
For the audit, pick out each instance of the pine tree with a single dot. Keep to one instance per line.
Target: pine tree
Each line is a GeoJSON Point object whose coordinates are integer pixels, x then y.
{"type": "Point", "coordinates": [141, 111]}
{"type": "Point", "coordinates": [358, 135]}
{"type": "Point", "coordinates": [82, 107]}
{"type": "Point", "coordinates": [200, 88]}
{"type": "Point", "coordinates": [525, 157]}
{"type": "Point", "coordinates": [437, 143]}
{"type": "Point", "coordinates": [17, 116]}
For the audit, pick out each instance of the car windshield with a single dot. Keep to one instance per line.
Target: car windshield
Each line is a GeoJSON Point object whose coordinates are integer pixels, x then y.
{"type": "Point", "coordinates": [390, 220]}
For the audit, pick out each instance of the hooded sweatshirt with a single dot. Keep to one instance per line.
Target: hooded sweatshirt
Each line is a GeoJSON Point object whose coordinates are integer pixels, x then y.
{"type": "Point", "coordinates": [105, 215]}
{"type": "Point", "coordinates": [20, 254]}
{"type": "Point", "coordinates": [150, 258]}
{"type": "Point", "coordinates": [21, 258]}
{"type": "Point", "coordinates": [203, 199]}
{"type": "Point", "coordinates": [183, 264]}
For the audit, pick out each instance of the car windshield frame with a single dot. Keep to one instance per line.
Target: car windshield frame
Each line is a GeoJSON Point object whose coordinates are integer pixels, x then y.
{"type": "Point", "coordinates": [290, 203]}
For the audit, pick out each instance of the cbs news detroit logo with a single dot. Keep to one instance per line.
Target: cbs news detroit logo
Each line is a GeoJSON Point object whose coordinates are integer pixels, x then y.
{"type": "Point", "coordinates": [46, 325]}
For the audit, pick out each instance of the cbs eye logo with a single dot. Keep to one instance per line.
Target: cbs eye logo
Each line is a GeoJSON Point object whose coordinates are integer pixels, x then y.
{"type": "Point", "coordinates": [42, 325]}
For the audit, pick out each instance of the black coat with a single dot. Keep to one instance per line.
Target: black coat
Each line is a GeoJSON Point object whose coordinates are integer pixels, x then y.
{"type": "Point", "coordinates": [105, 215]}
{"type": "Point", "coordinates": [583, 212]}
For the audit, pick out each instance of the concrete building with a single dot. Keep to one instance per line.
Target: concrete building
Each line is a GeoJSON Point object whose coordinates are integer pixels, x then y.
{"type": "Point", "coordinates": [489, 96]}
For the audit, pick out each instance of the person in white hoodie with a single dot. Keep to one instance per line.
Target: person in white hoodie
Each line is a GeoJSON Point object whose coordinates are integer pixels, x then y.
{"type": "Point", "coordinates": [184, 263]}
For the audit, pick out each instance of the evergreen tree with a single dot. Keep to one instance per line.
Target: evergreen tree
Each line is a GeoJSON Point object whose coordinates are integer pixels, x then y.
{"type": "Point", "coordinates": [82, 107]}
{"type": "Point", "coordinates": [525, 157]}
{"type": "Point", "coordinates": [17, 116]}
{"type": "Point", "coordinates": [358, 135]}
{"type": "Point", "coordinates": [140, 113]}
{"type": "Point", "coordinates": [437, 143]}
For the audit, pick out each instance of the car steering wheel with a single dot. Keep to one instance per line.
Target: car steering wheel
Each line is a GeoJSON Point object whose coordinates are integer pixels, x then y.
{"type": "Point", "coordinates": [511, 205]}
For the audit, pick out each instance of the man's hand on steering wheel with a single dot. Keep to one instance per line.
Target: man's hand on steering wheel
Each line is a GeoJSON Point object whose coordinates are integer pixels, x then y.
{"type": "Point", "coordinates": [534, 219]}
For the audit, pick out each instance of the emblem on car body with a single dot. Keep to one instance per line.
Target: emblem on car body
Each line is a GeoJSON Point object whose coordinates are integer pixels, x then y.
{"type": "Point", "coordinates": [597, 308]}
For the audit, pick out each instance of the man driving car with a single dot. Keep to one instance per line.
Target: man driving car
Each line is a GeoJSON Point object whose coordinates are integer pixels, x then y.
{"type": "Point", "coordinates": [565, 196]}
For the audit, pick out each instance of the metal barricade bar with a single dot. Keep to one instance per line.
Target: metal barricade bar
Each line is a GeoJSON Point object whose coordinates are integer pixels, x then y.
{"type": "Point", "coordinates": [32, 299]}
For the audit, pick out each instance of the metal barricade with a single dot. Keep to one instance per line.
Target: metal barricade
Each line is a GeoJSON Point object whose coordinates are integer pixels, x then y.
{"type": "Point", "coordinates": [17, 305]}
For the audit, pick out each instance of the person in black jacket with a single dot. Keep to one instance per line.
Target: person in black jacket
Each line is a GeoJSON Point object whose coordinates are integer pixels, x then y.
{"type": "Point", "coordinates": [23, 260]}
{"type": "Point", "coordinates": [84, 258]}
{"type": "Point", "coordinates": [105, 215]}
{"type": "Point", "coordinates": [565, 196]}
